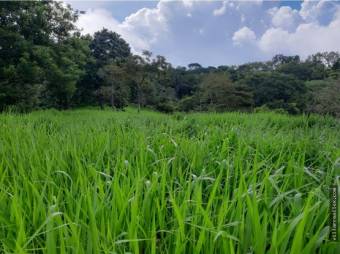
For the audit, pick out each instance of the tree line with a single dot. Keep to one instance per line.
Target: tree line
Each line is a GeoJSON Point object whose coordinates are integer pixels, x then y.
{"type": "Point", "coordinates": [45, 62]}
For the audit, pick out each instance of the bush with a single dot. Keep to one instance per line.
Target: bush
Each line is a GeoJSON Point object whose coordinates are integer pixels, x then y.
{"type": "Point", "coordinates": [265, 109]}
{"type": "Point", "coordinates": [165, 107]}
{"type": "Point", "coordinates": [187, 104]}
{"type": "Point", "coordinates": [325, 100]}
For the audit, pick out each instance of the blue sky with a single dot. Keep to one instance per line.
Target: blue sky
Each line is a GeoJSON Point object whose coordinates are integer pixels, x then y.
{"type": "Point", "coordinates": [218, 32]}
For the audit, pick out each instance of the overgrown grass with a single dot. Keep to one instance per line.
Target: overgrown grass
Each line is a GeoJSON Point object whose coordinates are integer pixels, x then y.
{"type": "Point", "coordinates": [88, 181]}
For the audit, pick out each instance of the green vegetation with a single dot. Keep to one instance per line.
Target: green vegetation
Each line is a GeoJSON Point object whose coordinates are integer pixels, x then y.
{"type": "Point", "coordinates": [97, 181]}
{"type": "Point", "coordinates": [103, 181]}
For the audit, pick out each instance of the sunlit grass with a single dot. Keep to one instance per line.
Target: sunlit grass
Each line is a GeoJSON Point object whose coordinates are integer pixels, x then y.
{"type": "Point", "coordinates": [89, 181]}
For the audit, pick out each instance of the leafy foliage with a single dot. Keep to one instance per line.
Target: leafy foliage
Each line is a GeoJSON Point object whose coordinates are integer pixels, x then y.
{"type": "Point", "coordinates": [325, 97]}
{"type": "Point", "coordinates": [219, 93]}
{"type": "Point", "coordinates": [42, 56]}
{"type": "Point", "coordinates": [108, 46]}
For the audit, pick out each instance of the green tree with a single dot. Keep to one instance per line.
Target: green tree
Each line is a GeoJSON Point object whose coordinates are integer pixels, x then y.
{"type": "Point", "coordinates": [217, 92]}
{"type": "Point", "coordinates": [328, 59]}
{"type": "Point", "coordinates": [36, 49]}
{"type": "Point", "coordinates": [20, 85]}
{"type": "Point", "coordinates": [185, 83]}
{"type": "Point", "coordinates": [282, 59]}
{"type": "Point", "coordinates": [67, 68]}
{"type": "Point", "coordinates": [277, 90]}
{"type": "Point", "coordinates": [163, 80]}
{"type": "Point", "coordinates": [114, 87]}
{"type": "Point", "coordinates": [324, 97]}
{"type": "Point", "coordinates": [304, 71]}
{"type": "Point", "coordinates": [194, 66]}
{"type": "Point", "coordinates": [108, 46]}
{"type": "Point", "coordinates": [143, 70]}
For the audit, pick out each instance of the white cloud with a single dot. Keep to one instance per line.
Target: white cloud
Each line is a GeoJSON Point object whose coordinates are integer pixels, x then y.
{"type": "Point", "coordinates": [311, 10]}
{"type": "Point", "coordinates": [144, 28]}
{"type": "Point", "coordinates": [272, 40]}
{"type": "Point", "coordinates": [176, 29]}
{"type": "Point", "coordinates": [96, 19]}
{"type": "Point", "coordinates": [284, 17]}
{"type": "Point", "coordinates": [236, 5]}
{"type": "Point", "coordinates": [220, 11]}
{"type": "Point", "coordinates": [188, 3]}
{"type": "Point", "coordinates": [243, 36]}
{"type": "Point", "coordinates": [296, 32]}
{"type": "Point", "coordinates": [307, 39]}
{"type": "Point", "coordinates": [141, 29]}
{"type": "Point", "coordinates": [149, 24]}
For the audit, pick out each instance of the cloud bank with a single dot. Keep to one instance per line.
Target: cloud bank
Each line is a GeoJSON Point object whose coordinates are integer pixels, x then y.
{"type": "Point", "coordinates": [224, 32]}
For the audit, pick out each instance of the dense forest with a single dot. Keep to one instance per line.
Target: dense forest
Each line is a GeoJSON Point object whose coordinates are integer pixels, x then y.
{"type": "Point", "coordinates": [45, 62]}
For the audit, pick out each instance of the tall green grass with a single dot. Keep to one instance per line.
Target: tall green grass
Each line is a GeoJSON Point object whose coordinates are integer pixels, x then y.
{"type": "Point", "coordinates": [88, 181]}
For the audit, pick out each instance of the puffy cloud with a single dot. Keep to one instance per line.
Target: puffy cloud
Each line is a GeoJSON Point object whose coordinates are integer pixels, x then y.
{"type": "Point", "coordinates": [231, 32]}
{"type": "Point", "coordinates": [243, 36]}
{"type": "Point", "coordinates": [97, 19]}
{"type": "Point", "coordinates": [158, 29]}
{"type": "Point", "coordinates": [141, 29]}
{"type": "Point", "coordinates": [220, 11]}
{"type": "Point", "coordinates": [307, 39]}
{"type": "Point", "coordinates": [274, 40]}
{"type": "Point", "coordinates": [301, 32]}
{"type": "Point", "coordinates": [149, 24]}
{"type": "Point", "coordinates": [284, 17]}
{"type": "Point", "coordinates": [235, 5]}
{"type": "Point", "coordinates": [188, 3]}
{"type": "Point", "coordinates": [312, 10]}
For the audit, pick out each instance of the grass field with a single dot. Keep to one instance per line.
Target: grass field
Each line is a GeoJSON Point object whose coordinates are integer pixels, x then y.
{"type": "Point", "coordinates": [89, 181]}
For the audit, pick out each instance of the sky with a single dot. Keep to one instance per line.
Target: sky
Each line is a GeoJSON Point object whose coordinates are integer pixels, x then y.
{"type": "Point", "coordinates": [215, 33]}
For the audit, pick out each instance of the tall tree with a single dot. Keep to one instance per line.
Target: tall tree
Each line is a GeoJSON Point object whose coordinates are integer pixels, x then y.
{"type": "Point", "coordinates": [35, 48]}
{"type": "Point", "coordinates": [219, 93]}
{"type": "Point", "coordinates": [194, 66]}
{"type": "Point", "coordinates": [66, 69]}
{"type": "Point", "coordinates": [324, 97]}
{"type": "Point", "coordinates": [108, 46]}
{"type": "Point", "coordinates": [329, 59]}
{"type": "Point", "coordinates": [277, 90]}
{"type": "Point", "coordinates": [282, 59]}
{"type": "Point", "coordinates": [114, 86]}
{"type": "Point", "coordinates": [143, 70]}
